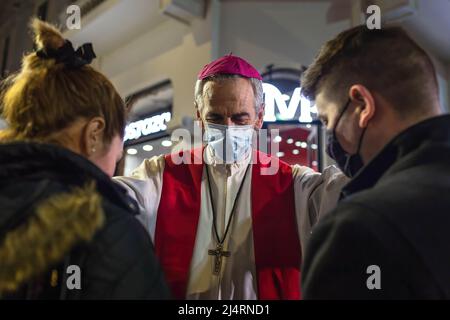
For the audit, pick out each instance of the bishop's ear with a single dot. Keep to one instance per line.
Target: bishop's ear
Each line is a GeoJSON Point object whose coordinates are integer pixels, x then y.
{"type": "Point", "coordinates": [199, 117]}
{"type": "Point", "coordinates": [260, 117]}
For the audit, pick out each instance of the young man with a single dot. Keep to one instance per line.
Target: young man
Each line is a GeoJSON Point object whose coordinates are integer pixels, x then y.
{"type": "Point", "coordinates": [377, 93]}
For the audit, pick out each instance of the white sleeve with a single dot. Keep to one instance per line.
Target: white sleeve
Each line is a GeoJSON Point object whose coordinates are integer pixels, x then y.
{"type": "Point", "coordinates": [145, 185]}
{"type": "Point", "coordinates": [316, 194]}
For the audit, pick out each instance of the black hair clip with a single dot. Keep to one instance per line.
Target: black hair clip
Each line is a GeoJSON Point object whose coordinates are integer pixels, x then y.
{"type": "Point", "coordinates": [67, 54]}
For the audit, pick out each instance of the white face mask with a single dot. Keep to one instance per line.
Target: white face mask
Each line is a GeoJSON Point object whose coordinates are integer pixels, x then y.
{"type": "Point", "coordinates": [229, 143]}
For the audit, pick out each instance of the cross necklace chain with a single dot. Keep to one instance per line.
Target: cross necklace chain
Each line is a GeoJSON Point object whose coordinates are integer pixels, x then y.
{"type": "Point", "coordinates": [219, 252]}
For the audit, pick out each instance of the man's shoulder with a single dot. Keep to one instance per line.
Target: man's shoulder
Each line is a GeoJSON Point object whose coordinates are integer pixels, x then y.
{"type": "Point", "coordinates": [352, 212]}
{"type": "Point", "coordinates": [359, 220]}
{"type": "Point", "coordinates": [377, 214]}
{"type": "Point", "coordinates": [402, 196]}
{"type": "Point", "coordinates": [375, 225]}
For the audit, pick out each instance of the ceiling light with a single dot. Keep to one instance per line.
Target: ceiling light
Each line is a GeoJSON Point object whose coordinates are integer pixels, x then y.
{"type": "Point", "coordinates": [132, 151]}
{"type": "Point", "coordinates": [147, 147]}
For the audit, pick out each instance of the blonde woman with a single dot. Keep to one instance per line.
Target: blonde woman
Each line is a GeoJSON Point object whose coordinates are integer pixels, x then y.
{"type": "Point", "coordinates": [67, 231]}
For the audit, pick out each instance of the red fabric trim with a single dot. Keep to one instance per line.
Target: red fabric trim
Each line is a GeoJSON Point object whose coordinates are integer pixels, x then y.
{"type": "Point", "coordinates": [275, 235]}
{"type": "Point", "coordinates": [276, 241]}
{"type": "Point", "coordinates": [176, 224]}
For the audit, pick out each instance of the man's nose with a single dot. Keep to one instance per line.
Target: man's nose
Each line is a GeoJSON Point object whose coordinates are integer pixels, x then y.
{"type": "Point", "coordinates": [229, 121]}
{"type": "Point", "coordinates": [226, 121]}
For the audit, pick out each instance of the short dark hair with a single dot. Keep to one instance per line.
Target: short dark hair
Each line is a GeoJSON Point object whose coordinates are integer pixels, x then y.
{"type": "Point", "coordinates": [386, 61]}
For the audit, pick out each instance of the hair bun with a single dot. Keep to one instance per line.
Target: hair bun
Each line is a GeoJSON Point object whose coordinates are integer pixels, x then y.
{"type": "Point", "coordinates": [46, 36]}
{"type": "Point", "coordinates": [52, 45]}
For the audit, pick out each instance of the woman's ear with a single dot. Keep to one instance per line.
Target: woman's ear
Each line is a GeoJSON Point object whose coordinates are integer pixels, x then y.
{"type": "Point", "coordinates": [365, 102]}
{"type": "Point", "coordinates": [93, 136]}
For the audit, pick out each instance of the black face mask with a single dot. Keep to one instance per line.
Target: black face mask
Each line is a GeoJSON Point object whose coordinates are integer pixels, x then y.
{"type": "Point", "coordinates": [350, 164]}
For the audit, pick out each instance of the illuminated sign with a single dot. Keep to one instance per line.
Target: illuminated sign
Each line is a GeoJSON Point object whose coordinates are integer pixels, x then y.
{"type": "Point", "coordinates": [148, 126]}
{"type": "Point", "coordinates": [282, 107]}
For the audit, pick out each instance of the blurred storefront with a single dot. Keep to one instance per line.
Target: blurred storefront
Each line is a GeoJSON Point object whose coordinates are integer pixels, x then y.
{"type": "Point", "coordinates": [152, 51]}
{"type": "Point", "coordinates": [146, 134]}
{"type": "Point", "coordinates": [299, 140]}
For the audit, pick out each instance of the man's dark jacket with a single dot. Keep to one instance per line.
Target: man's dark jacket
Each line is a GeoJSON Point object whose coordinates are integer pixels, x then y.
{"type": "Point", "coordinates": [58, 213]}
{"type": "Point", "coordinates": [395, 215]}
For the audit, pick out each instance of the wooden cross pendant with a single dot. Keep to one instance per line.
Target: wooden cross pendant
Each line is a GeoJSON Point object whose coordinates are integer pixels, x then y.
{"type": "Point", "coordinates": [218, 253]}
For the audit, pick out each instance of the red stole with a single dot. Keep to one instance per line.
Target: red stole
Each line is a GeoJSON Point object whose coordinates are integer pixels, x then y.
{"type": "Point", "coordinates": [275, 235]}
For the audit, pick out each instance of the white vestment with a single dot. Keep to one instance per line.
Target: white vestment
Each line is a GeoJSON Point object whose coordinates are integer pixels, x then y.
{"type": "Point", "coordinates": [315, 195]}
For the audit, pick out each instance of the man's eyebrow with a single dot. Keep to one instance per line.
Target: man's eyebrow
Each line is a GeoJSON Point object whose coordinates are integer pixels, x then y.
{"type": "Point", "coordinates": [213, 114]}
{"type": "Point", "coordinates": [241, 114]}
